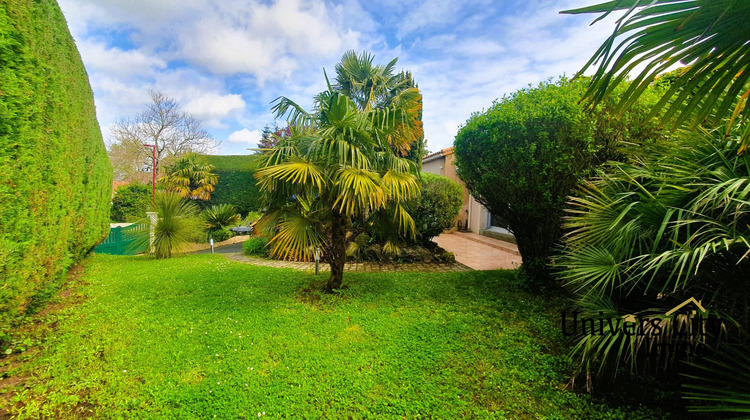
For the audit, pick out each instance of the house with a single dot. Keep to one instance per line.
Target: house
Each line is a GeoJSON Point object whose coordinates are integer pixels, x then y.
{"type": "Point", "coordinates": [473, 216]}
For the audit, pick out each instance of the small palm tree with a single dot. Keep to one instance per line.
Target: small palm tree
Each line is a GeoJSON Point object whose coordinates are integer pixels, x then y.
{"type": "Point", "coordinates": [645, 237]}
{"type": "Point", "coordinates": [177, 224]}
{"type": "Point", "coordinates": [191, 177]}
{"type": "Point", "coordinates": [336, 175]}
{"type": "Point", "coordinates": [219, 217]}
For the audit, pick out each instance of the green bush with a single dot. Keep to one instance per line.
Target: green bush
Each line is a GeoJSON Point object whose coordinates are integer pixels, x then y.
{"type": "Point", "coordinates": [130, 202]}
{"type": "Point", "coordinates": [256, 246]}
{"type": "Point", "coordinates": [220, 235]}
{"type": "Point", "coordinates": [524, 156]}
{"type": "Point", "coordinates": [236, 184]}
{"type": "Point", "coordinates": [437, 208]}
{"type": "Point", "coordinates": [55, 177]}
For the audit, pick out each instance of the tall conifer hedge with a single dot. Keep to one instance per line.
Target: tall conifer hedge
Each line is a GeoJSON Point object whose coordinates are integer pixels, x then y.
{"type": "Point", "coordinates": [236, 184]}
{"type": "Point", "coordinates": [55, 177]}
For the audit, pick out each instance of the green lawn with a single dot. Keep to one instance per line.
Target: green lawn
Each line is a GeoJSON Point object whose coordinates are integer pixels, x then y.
{"type": "Point", "coordinates": [202, 337]}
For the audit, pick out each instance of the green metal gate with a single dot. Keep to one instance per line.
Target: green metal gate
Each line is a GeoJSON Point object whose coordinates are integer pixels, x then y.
{"type": "Point", "coordinates": [122, 241]}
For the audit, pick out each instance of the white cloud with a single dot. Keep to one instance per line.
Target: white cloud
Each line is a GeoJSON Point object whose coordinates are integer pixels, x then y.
{"type": "Point", "coordinates": [245, 136]}
{"type": "Point", "coordinates": [465, 71]}
{"type": "Point", "coordinates": [268, 41]}
{"type": "Point", "coordinates": [154, 19]}
{"type": "Point", "coordinates": [212, 108]}
{"type": "Point", "coordinates": [438, 13]}
{"type": "Point", "coordinates": [117, 62]}
{"type": "Point", "coordinates": [225, 61]}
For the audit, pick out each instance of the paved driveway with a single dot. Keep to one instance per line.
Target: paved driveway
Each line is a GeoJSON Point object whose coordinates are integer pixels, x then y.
{"type": "Point", "coordinates": [471, 250]}
{"type": "Point", "coordinates": [480, 252]}
{"type": "Point", "coordinates": [225, 249]}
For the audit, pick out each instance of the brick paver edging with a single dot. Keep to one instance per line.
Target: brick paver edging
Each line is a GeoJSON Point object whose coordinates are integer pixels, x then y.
{"type": "Point", "coordinates": [351, 267]}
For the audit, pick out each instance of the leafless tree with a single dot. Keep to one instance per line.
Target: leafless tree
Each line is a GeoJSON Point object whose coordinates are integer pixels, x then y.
{"type": "Point", "coordinates": [130, 161]}
{"type": "Point", "coordinates": [164, 124]}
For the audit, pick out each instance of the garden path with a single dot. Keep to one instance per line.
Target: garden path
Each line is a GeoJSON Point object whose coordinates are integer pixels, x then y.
{"type": "Point", "coordinates": [472, 251]}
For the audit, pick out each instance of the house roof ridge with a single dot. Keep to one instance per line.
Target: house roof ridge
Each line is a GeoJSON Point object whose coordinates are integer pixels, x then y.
{"type": "Point", "coordinates": [442, 152]}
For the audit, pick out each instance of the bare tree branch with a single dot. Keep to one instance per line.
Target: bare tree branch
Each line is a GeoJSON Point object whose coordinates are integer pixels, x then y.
{"type": "Point", "coordinates": [164, 124]}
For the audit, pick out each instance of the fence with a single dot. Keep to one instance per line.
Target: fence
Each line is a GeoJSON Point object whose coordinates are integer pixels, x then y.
{"type": "Point", "coordinates": [122, 241]}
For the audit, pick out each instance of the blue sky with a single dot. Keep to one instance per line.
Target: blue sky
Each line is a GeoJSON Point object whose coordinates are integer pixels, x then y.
{"type": "Point", "coordinates": [226, 60]}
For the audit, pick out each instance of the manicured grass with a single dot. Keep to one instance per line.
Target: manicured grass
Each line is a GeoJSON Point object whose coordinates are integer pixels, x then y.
{"type": "Point", "coordinates": [199, 336]}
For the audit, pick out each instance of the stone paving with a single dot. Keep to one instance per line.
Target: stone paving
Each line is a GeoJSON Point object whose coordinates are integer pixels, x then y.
{"type": "Point", "coordinates": [472, 251]}
{"type": "Point", "coordinates": [350, 267]}
{"type": "Point", "coordinates": [480, 252]}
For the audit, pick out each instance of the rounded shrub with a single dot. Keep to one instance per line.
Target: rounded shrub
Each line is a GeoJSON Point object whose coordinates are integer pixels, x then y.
{"type": "Point", "coordinates": [256, 246]}
{"type": "Point", "coordinates": [437, 208]}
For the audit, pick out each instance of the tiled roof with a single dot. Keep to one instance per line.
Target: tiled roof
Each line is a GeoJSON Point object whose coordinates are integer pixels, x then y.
{"type": "Point", "coordinates": [118, 184]}
{"type": "Point", "coordinates": [444, 152]}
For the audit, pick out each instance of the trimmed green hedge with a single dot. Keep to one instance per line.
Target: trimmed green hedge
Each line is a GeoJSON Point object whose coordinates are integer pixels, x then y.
{"type": "Point", "coordinates": [236, 185]}
{"type": "Point", "coordinates": [55, 177]}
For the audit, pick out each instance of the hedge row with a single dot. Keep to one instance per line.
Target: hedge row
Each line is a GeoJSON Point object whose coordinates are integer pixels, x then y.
{"type": "Point", "coordinates": [236, 185]}
{"type": "Point", "coordinates": [55, 177]}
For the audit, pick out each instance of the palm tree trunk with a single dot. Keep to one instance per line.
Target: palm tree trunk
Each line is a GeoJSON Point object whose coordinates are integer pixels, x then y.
{"type": "Point", "coordinates": [337, 257]}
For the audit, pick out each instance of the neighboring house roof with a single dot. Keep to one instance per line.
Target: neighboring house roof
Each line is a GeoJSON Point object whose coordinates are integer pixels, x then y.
{"type": "Point", "coordinates": [438, 154]}
{"type": "Point", "coordinates": [118, 184]}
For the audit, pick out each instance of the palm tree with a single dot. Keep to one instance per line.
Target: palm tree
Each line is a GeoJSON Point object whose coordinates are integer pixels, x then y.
{"type": "Point", "coordinates": [218, 217]}
{"type": "Point", "coordinates": [711, 38]}
{"type": "Point", "coordinates": [703, 236]}
{"type": "Point", "coordinates": [366, 84]}
{"type": "Point", "coordinates": [371, 86]}
{"type": "Point", "coordinates": [191, 178]}
{"type": "Point", "coordinates": [645, 237]}
{"type": "Point", "coordinates": [336, 175]}
{"type": "Point", "coordinates": [177, 224]}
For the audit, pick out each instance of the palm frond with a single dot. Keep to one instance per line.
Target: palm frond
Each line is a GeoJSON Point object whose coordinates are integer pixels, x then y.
{"type": "Point", "coordinates": [387, 161]}
{"type": "Point", "coordinates": [297, 237]}
{"type": "Point", "coordinates": [285, 108]}
{"type": "Point", "coordinates": [675, 225]}
{"type": "Point", "coordinates": [339, 151]}
{"type": "Point", "coordinates": [220, 216]}
{"type": "Point", "coordinates": [711, 38]}
{"type": "Point", "coordinates": [400, 186]}
{"type": "Point", "coordinates": [358, 190]}
{"type": "Point", "coordinates": [295, 171]}
{"type": "Point", "coordinates": [403, 220]}
{"type": "Point", "coordinates": [721, 381]}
